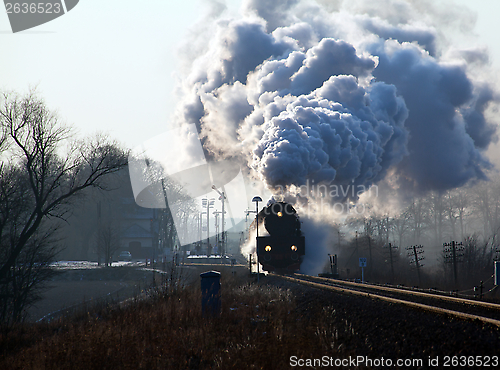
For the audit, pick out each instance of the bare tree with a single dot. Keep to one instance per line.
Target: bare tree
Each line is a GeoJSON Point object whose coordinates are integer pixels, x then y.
{"type": "Point", "coordinates": [42, 173]}
{"type": "Point", "coordinates": [437, 208]}
{"type": "Point", "coordinates": [457, 207]}
{"type": "Point", "coordinates": [3, 138]}
{"type": "Point", "coordinates": [487, 206]}
{"type": "Point", "coordinates": [80, 229]}
{"type": "Point", "coordinates": [401, 226]}
{"type": "Point", "coordinates": [418, 213]}
{"type": "Point", "coordinates": [107, 241]}
{"type": "Point", "coordinates": [28, 275]}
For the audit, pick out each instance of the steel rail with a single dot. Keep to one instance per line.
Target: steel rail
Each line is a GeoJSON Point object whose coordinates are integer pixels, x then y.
{"type": "Point", "coordinates": [470, 302]}
{"type": "Point", "coordinates": [349, 290]}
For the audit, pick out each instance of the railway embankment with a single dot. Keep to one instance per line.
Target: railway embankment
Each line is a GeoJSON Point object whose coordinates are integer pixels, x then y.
{"type": "Point", "coordinates": [270, 324]}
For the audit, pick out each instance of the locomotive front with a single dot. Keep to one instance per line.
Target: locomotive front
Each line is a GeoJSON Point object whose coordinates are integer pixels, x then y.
{"type": "Point", "coordinates": [282, 251]}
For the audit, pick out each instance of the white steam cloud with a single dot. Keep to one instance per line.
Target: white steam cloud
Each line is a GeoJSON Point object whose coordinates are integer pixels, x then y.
{"type": "Point", "coordinates": [342, 92]}
{"type": "Point", "coordinates": [300, 93]}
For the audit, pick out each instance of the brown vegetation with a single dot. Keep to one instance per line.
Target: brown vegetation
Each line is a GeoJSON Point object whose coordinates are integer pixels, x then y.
{"type": "Point", "coordinates": [164, 331]}
{"type": "Point", "coordinates": [261, 327]}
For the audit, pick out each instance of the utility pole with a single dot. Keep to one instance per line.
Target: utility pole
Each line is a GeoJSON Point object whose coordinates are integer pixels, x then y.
{"type": "Point", "coordinates": [222, 198]}
{"type": "Point", "coordinates": [353, 253]}
{"type": "Point", "coordinates": [200, 230]}
{"type": "Point", "coordinates": [370, 253]}
{"type": "Point", "coordinates": [257, 199]}
{"type": "Point", "coordinates": [247, 213]}
{"type": "Point", "coordinates": [208, 203]}
{"type": "Point", "coordinates": [451, 256]}
{"type": "Point", "coordinates": [217, 238]}
{"type": "Point", "coordinates": [415, 253]}
{"type": "Point", "coordinates": [387, 228]}
{"type": "Point", "coordinates": [368, 230]}
{"type": "Point", "coordinates": [98, 239]}
{"type": "Point", "coordinates": [392, 260]}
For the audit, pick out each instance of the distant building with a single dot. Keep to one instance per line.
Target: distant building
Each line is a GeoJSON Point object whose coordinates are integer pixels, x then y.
{"type": "Point", "coordinates": [139, 229]}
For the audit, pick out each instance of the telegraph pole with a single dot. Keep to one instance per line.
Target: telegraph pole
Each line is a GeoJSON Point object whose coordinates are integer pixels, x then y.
{"type": "Point", "coordinates": [415, 252]}
{"type": "Point", "coordinates": [222, 197]}
{"type": "Point", "coordinates": [451, 256]}
{"type": "Point", "coordinates": [391, 259]}
{"type": "Point", "coordinates": [217, 238]}
{"type": "Point", "coordinates": [257, 199]}
{"type": "Point", "coordinates": [392, 262]}
{"type": "Point", "coordinates": [370, 252]}
{"type": "Point", "coordinates": [209, 203]}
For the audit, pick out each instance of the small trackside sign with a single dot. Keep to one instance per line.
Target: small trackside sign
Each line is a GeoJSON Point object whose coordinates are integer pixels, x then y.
{"type": "Point", "coordinates": [362, 262]}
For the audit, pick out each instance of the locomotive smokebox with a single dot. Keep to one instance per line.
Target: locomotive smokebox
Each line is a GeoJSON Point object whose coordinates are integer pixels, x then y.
{"type": "Point", "coordinates": [280, 219]}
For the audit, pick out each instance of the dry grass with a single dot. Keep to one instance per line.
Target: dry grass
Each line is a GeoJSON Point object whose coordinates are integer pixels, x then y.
{"type": "Point", "coordinates": [261, 327]}
{"type": "Point", "coordinates": [167, 331]}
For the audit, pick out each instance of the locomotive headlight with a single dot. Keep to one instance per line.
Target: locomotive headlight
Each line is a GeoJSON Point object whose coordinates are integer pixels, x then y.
{"type": "Point", "coordinates": [267, 248]}
{"type": "Point", "coordinates": [280, 214]}
{"type": "Point", "coordinates": [293, 248]}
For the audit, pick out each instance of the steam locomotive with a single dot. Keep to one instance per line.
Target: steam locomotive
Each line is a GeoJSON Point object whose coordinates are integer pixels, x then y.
{"type": "Point", "coordinates": [283, 249]}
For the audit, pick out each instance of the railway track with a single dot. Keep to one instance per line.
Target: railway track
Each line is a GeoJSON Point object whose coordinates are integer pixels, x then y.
{"type": "Point", "coordinates": [466, 309]}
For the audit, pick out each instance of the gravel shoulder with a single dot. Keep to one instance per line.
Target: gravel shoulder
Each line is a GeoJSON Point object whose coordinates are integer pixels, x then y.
{"type": "Point", "coordinates": [359, 326]}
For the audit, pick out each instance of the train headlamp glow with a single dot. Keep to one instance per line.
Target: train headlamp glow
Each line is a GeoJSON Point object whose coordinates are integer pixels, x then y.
{"type": "Point", "coordinates": [267, 248]}
{"type": "Point", "coordinates": [293, 248]}
{"type": "Point", "coordinates": [280, 214]}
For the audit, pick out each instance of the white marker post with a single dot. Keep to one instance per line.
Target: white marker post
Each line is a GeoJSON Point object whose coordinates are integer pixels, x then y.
{"type": "Point", "coordinates": [497, 273]}
{"type": "Point", "coordinates": [362, 264]}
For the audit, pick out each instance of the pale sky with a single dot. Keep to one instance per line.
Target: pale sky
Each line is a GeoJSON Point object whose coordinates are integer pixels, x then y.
{"type": "Point", "coordinates": [109, 65]}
